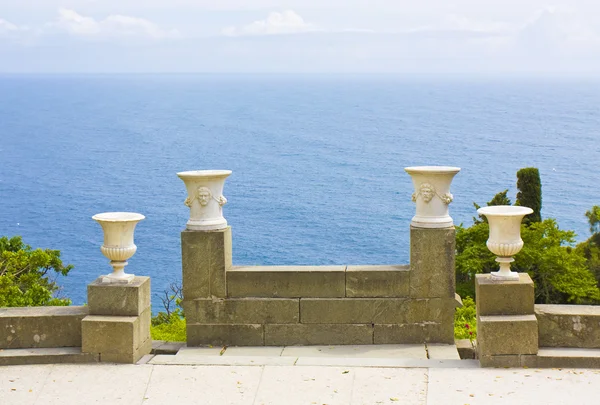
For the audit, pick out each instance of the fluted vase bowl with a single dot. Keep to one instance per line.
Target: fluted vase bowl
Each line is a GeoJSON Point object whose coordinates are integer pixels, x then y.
{"type": "Point", "coordinates": [432, 195]}
{"type": "Point", "coordinates": [205, 198]}
{"type": "Point", "coordinates": [505, 236]}
{"type": "Point", "coordinates": [118, 244]}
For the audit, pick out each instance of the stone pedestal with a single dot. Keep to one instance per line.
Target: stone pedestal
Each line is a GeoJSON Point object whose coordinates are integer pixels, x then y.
{"type": "Point", "coordinates": [118, 327]}
{"type": "Point", "coordinates": [205, 257]}
{"type": "Point", "coordinates": [432, 272]}
{"type": "Point", "coordinates": [507, 329]}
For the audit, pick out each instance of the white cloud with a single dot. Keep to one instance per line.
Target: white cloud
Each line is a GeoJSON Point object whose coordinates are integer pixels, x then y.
{"type": "Point", "coordinates": [113, 26]}
{"type": "Point", "coordinates": [9, 29]}
{"type": "Point", "coordinates": [554, 25]}
{"type": "Point", "coordinates": [286, 22]}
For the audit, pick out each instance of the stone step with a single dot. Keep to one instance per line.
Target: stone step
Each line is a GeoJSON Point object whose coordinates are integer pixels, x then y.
{"type": "Point", "coordinates": [567, 357]}
{"type": "Point", "coordinates": [12, 357]}
{"type": "Point", "coordinates": [409, 356]}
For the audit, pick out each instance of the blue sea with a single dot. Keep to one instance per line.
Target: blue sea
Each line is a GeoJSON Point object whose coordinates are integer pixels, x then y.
{"type": "Point", "coordinates": [318, 161]}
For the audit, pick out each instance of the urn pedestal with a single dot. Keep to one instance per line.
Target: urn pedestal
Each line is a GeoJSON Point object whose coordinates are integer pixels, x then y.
{"type": "Point", "coordinates": [205, 199]}
{"type": "Point", "coordinates": [432, 195]}
{"type": "Point", "coordinates": [118, 243]}
{"type": "Point", "coordinates": [505, 236]}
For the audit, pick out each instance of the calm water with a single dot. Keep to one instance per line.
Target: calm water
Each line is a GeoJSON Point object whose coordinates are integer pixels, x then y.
{"type": "Point", "coordinates": [317, 161]}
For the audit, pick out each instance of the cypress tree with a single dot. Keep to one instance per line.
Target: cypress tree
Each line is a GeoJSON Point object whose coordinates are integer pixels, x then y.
{"type": "Point", "coordinates": [530, 193]}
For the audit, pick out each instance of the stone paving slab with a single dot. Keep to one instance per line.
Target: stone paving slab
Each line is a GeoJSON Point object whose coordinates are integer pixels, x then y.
{"type": "Point", "coordinates": [205, 385]}
{"type": "Point", "coordinates": [200, 351]}
{"type": "Point", "coordinates": [301, 386]}
{"type": "Point", "coordinates": [268, 351]}
{"type": "Point", "coordinates": [380, 362]}
{"type": "Point", "coordinates": [21, 385]}
{"type": "Point", "coordinates": [440, 351]}
{"type": "Point", "coordinates": [358, 351]}
{"type": "Point", "coordinates": [513, 386]}
{"type": "Point", "coordinates": [202, 385]}
{"type": "Point", "coordinates": [224, 360]}
{"type": "Point", "coordinates": [101, 383]}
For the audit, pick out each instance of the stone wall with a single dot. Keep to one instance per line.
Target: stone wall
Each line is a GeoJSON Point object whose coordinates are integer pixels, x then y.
{"type": "Point", "coordinates": [569, 326]}
{"type": "Point", "coordinates": [41, 327]}
{"type": "Point", "coordinates": [318, 305]}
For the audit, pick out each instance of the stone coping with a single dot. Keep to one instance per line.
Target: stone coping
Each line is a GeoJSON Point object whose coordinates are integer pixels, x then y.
{"type": "Point", "coordinates": [43, 311]}
{"type": "Point", "coordinates": [310, 268]}
{"type": "Point", "coordinates": [569, 310]}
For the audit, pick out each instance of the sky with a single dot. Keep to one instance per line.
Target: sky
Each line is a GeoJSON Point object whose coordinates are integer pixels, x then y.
{"type": "Point", "coordinates": [301, 36]}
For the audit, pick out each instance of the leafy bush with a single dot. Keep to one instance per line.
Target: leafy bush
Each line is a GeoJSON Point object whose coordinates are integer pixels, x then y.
{"type": "Point", "coordinates": [465, 320]}
{"type": "Point", "coordinates": [28, 276]}
{"type": "Point", "coordinates": [170, 324]}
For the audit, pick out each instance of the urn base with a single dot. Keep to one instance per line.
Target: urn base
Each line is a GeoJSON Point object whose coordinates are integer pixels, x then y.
{"type": "Point", "coordinates": [505, 274]}
{"type": "Point", "coordinates": [510, 276]}
{"type": "Point", "coordinates": [206, 225]}
{"type": "Point", "coordinates": [432, 222]}
{"type": "Point", "coordinates": [110, 279]}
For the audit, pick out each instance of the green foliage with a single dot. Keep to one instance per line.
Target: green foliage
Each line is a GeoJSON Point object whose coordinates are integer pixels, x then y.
{"type": "Point", "coordinates": [472, 257]}
{"type": "Point", "coordinates": [171, 331]}
{"type": "Point", "coordinates": [559, 271]}
{"type": "Point", "coordinates": [170, 324]}
{"type": "Point", "coordinates": [530, 193]}
{"type": "Point", "coordinates": [590, 249]}
{"type": "Point", "coordinates": [28, 276]}
{"type": "Point", "coordinates": [593, 217]}
{"type": "Point", "coordinates": [465, 320]}
{"type": "Point", "coordinates": [499, 199]}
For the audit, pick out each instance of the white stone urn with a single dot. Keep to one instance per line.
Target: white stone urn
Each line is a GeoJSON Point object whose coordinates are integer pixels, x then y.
{"type": "Point", "coordinates": [118, 244]}
{"type": "Point", "coordinates": [505, 236]}
{"type": "Point", "coordinates": [205, 198]}
{"type": "Point", "coordinates": [432, 195]}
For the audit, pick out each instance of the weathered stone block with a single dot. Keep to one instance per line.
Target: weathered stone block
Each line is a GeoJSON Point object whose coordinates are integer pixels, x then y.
{"type": "Point", "coordinates": [430, 332]}
{"type": "Point", "coordinates": [242, 310]}
{"type": "Point", "coordinates": [119, 299]}
{"type": "Point", "coordinates": [57, 355]}
{"type": "Point", "coordinates": [508, 360]}
{"type": "Point", "coordinates": [507, 334]}
{"type": "Point", "coordinates": [41, 327]}
{"type": "Point", "coordinates": [287, 281]}
{"type": "Point", "coordinates": [432, 254]}
{"type": "Point", "coordinates": [205, 257]}
{"type": "Point", "coordinates": [117, 337]}
{"type": "Point", "coordinates": [375, 310]}
{"type": "Point", "coordinates": [318, 334]}
{"type": "Point", "coordinates": [465, 348]}
{"type": "Point", "coordinates": [377, 281]}
{"type": "Point", "coordinates": [127, 358]}
{"type": "Point", "coordinates": [495, 297]}
{"type": "Point", "coordinates": [568, 325]}
{"type": "Point", "coordinates": [567, 358]}
{"type": "Point", "coordinates": [230, 335]}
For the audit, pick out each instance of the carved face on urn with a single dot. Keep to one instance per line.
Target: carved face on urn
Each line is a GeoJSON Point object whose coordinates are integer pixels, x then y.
{"type": "Point", "coordinates": [427, 191]}
{"type": "Point", "coordinates": [204, 196]}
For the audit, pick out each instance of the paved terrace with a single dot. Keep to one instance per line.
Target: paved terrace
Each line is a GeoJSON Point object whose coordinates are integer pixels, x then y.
{"type": "Point", "coordinates": [348, 375]}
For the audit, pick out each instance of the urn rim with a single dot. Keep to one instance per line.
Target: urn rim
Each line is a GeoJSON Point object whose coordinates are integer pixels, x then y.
{"type": "Point", "coordinates": [204, 173]}
{"type": "Point", "coordinates": [504, 211]}
{"type": "Point", "coordinates": [432, 169]}
{"type": "Point", "coordinates": [118, 217]}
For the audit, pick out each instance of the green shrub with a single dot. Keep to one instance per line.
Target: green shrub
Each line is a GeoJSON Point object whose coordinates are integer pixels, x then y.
{"type": "Point", "coordinates": [28, 276]}
{"type": "Point", "coordinates": [465, 320]}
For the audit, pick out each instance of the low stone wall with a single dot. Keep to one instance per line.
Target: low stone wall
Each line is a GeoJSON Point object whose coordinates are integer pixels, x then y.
{"type": "Point", "coordinates": [41, 327]}
{"type": "Point", "coordinates": [318, 305]}
{"type": "Point", "coordinates": [568, 326]}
